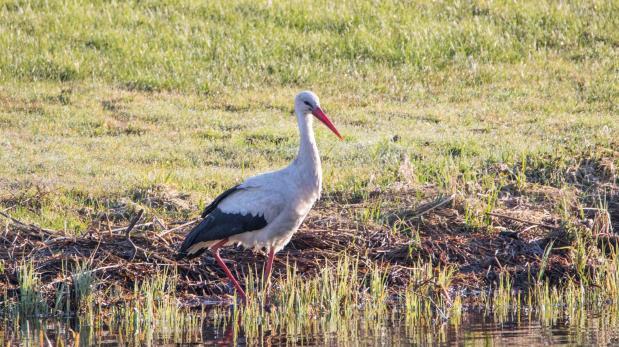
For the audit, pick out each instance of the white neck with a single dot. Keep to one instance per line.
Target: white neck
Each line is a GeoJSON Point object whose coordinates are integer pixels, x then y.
{"type": "Point", "coordinates": [308, 158]}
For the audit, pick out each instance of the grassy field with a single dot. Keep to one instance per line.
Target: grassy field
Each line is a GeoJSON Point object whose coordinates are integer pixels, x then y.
{"type": "Point", "coordinates": [109, 107]}
{"type": "Point", "coordinates": [103, 100]}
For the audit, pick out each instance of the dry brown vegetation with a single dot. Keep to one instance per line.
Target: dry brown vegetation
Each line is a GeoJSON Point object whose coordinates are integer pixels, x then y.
{"type": "Point", "coordinates": [394, 228]}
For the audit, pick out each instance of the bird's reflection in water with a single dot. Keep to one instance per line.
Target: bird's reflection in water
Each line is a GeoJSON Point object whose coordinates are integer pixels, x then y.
{"type": "Point", "coordinates": [226, 331]}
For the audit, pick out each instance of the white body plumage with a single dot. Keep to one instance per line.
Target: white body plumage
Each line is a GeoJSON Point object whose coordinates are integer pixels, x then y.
{"type": "Point", "coordinates": [283, 197]}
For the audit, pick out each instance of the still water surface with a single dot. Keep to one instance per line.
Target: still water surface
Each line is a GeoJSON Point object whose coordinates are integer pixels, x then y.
{"type": "Point", "coordinates": [211, 328]}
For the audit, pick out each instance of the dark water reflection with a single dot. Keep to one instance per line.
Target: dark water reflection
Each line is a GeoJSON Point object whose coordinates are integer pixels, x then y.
{"type": "Point", "coordinates": [217, 328]}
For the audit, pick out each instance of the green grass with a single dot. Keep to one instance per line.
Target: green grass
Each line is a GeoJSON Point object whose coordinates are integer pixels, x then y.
{"type": "Point", "coordinates": [215, 46]}
{"type": "Point", "coordinates": [99, 100]}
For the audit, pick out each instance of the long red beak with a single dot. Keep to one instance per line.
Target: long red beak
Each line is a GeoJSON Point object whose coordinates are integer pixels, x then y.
{"type": "Point", "coordinates": [317, 112]}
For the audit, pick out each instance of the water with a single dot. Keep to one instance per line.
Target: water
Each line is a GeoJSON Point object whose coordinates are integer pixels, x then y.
{"type": "Point", "coordinates": [214, 327]}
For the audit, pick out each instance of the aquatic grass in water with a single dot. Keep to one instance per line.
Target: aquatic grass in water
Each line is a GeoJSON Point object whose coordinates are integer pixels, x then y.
{"type": "Point", "coordinates": [335, 302]}
{"type": "Point", "coordinates": [31, 304]}
{"type": "Point", "coordinates": [153, 305]}
{"type": "Point", "coordinates": [327, 301]}
{"type": "Point", "coordinates": [378, 294]}
{"type": "Point", "coordinates": [596, 290]}
{"type": "Point", "coordinates": [427, 296]}
{"type": "Point", "coordinates": [503, 299]}
{"type": "Point", "coordinates": [83, 291]}
{"type": "Point", "coordinates": [153, 302]}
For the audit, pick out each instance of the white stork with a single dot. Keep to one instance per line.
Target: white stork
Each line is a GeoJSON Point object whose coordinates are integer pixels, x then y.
{"type": "Point", "coordinates": [266, 210]}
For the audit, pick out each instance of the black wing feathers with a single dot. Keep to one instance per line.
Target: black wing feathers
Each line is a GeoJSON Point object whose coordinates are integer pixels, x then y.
{"type": "Point", "coordinates": [218, 225]}
{"type": "Point", "coordinates": [208, 209]}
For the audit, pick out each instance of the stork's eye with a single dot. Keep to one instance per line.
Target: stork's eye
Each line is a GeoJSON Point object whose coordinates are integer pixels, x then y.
{"type": "Point", "coordinates": [307, 103]}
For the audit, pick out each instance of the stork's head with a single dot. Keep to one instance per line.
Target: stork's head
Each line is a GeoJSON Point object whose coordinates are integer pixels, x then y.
{"type": "Point", "coordinates": [307, 103]}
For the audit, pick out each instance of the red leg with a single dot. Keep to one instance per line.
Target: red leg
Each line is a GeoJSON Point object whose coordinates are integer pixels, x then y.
{"type": "Point", "coordinates": [267, 279]}
{"type": "Point", "coordinates": [269, 266]}
{"type": "Point", "coordinates": [237, 286]}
